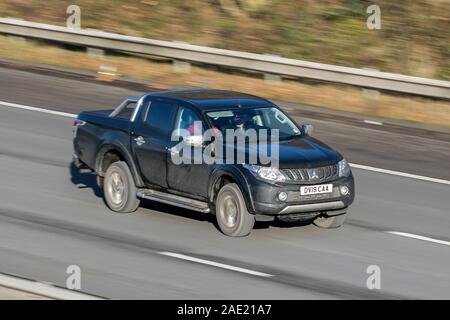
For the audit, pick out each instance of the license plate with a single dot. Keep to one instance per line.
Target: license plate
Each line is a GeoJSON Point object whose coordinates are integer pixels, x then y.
{"type": "Point", "coordinates": [319, 189]}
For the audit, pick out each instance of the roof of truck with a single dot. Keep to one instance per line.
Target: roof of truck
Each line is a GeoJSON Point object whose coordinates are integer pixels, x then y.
{"type": "Point", "coordinates": [213, 99]}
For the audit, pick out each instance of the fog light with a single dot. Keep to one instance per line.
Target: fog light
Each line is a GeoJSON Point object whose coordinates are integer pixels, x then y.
{"type": "Point", "coordinates": [344, 190]}
{"type": "Point", "coordinates": [282, 196]}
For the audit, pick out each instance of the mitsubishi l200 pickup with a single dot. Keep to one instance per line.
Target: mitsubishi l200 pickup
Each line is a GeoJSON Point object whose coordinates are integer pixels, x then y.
{"type": "Point", "coordinates": [233, 155]}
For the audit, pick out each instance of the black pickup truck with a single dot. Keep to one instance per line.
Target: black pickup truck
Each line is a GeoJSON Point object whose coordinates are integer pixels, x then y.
{"type": "Point", "coordinates": [135, 156]}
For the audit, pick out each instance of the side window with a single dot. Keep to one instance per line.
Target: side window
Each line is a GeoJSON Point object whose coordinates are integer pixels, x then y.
{"type": "Point", "coordinates": [160, 116]}
{"type": "Point", "coordinates": [185, 120]}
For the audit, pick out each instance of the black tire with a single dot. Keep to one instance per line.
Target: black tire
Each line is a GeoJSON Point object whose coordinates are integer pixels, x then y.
{"type": "Point", "coordinates": [330, 222]}
{"type": "Point", "coordinates": [232, 215]}
{"type": "Point", "coordinates": [119, 189]}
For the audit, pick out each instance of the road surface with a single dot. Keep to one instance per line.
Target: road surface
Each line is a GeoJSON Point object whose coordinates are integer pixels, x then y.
{"type": "Point", "coordinates": [52, 216]}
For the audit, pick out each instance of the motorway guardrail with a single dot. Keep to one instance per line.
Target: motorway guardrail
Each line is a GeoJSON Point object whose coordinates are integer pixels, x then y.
{"type": "Point", "coordinates": [227, 58]}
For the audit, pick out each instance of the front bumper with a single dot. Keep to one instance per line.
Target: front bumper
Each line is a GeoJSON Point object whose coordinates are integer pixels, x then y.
{"type": "Point", "coordinates": [266, 202]}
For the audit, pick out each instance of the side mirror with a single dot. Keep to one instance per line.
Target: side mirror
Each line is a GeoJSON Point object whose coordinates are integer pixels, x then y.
{"type": "Point", "coordinates": [308, 129]}
{"type": "Point", "coordinates": [195, 141]}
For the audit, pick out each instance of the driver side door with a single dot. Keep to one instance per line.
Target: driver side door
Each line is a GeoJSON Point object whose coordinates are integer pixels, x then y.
{"type": "Point", "coordinates": [188, 177]}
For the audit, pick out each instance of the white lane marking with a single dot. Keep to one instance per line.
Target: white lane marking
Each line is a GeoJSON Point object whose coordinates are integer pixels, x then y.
{"type": "Point", "coordinates": [400, 174]}
{"type": "Point", "coordinates": [216, 264]}
{"type": "Point", "coordinates": [43, 289]}
{"type": "Point", "coordinates": [415, 236]}
{"type": "Point", "coordinates": [20, 106]}
{"type": "Point", "coordinates": [376, 123]}
{"type": "Point", "coordinates": [358, 166]}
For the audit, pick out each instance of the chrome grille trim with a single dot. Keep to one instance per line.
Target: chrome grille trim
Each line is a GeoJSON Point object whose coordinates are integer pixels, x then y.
{"type": "Point", "coordinates": [306, 175]}
{"type": "Point", "coordinates": [334, 205]}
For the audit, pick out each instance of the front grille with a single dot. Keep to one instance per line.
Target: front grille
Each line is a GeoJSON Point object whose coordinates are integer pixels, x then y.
{"type": "Point", "coordinates": [312, 175]}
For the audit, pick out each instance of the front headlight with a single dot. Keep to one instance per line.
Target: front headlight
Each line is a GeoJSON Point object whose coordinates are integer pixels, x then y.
{"type": "Point", "coordinates": [344, 168]}
{"type": "Point", "coordinates": [266, 173]}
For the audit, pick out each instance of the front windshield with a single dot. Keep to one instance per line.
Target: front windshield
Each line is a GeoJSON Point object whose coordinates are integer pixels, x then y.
{"type": "Point", "coordinates": [254, 118]}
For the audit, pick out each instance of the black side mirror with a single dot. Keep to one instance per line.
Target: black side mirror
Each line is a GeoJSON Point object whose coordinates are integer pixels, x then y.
{"type": "Point", "coordinates": [308, 129]}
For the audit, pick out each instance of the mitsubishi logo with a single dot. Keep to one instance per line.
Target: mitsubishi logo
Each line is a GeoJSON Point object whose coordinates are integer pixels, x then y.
{"type": "Point", "coordinates": [313, 173]}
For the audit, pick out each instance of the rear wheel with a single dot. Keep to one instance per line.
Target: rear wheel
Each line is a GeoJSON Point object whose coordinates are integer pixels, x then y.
{"type": "Point", "coordinates": [330, 222]}
{"type": "Point", "coordinates": [119, 188]}
{"type": "Point", "coordinates": [232, 215]}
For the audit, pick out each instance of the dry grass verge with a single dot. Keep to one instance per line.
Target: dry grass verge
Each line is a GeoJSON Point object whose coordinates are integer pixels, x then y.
{"type": "Point", "coordinates": [336, 97]}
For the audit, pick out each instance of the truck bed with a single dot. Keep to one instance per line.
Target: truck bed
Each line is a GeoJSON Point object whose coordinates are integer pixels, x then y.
{"type": "Point", "coordinates": [98, 127]}
{"type": "Point", "coordinates": [101, 118]}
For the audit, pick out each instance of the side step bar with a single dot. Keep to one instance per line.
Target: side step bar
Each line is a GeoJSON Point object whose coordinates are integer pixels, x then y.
{"type": "Point", "coordinates": [174, 200]}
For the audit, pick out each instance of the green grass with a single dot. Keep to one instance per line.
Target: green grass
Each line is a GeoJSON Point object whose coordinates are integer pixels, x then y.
{"type": "Point", "coordinates": [414, 39]}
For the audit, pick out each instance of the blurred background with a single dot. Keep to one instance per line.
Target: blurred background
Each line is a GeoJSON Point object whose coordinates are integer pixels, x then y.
{"type": "Point", "coordinates": [414, 40]}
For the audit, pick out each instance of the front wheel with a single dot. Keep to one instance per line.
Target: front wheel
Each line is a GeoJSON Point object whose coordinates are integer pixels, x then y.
{"type": "Point", "coordinates": [330, 222]}
{"type": "Point", "coordinates": [119, 189]}
{"type": "Point", "coordinates": [232, 215]}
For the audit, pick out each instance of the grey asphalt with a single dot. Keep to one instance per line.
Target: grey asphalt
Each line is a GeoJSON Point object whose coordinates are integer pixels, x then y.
{"type": "Point", "coordinates": [52, 216]}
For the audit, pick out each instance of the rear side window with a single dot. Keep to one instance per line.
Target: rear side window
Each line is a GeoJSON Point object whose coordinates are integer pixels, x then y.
{"type": "Point", "coordinates": [160, 116]}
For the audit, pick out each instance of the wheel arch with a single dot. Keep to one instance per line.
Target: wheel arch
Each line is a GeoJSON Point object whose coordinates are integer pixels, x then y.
{"type": "Point", "coordinates": [110, 153]}
{"type": "Point", "coordinates": [222, 176]}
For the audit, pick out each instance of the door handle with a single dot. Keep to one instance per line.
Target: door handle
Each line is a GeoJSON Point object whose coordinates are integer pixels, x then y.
{"type": "Point", "coordinates": [173, 151]}
{"type": "Point", "coordinates": [139, 140]}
